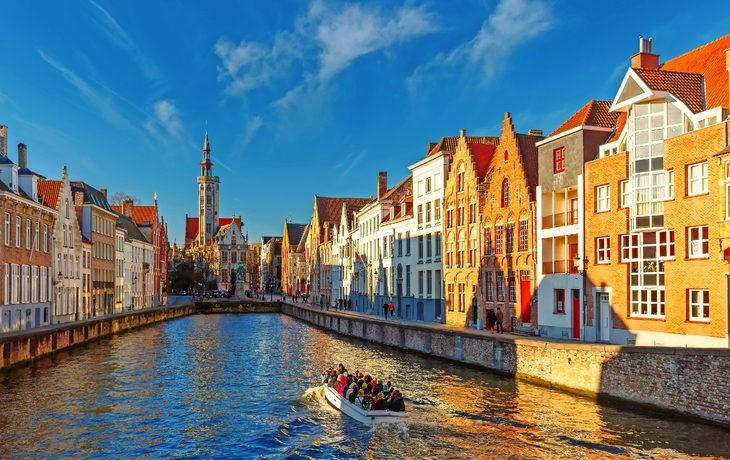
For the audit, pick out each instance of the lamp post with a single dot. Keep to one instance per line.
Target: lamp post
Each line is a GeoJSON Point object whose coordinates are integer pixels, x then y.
{"type": "Point", "coordinates": [581, 266]}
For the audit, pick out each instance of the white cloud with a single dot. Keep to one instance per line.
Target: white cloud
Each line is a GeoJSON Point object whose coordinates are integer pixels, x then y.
{"type": "Point", "coordinates": [120, 38]}
{"type": "Point", "coordinates": [512, 23]}
{"type": "Point", "coordinates": [324, 42]}
{"type": "Point", "coordinates": [165, 114]}
{"type": "Point", "coordinates": [103, 103]}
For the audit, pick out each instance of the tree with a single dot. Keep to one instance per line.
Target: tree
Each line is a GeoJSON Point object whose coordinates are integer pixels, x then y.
{"type": "Point", "coordinates": [252, 270]}
{"type": "Point", "coordinates": [120, 197]}
{"type": "Point", "coordinates": [185, 276]}
{"type": "Point", "coordinates": [233, 282]}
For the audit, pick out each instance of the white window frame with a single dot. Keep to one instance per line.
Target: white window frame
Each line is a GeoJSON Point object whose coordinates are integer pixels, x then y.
{"type": "Point", "coordinates": [625, 193]}
{"type": "Point", "coordinates": [603, 198]}
{"type": "Point", "coordinates": [18, 230]}
{"type": "Point", "coordinates": [7, 229]}
{"type": "Point", "coordinates": [603, 249]}
{"type": "Point", "coordinates": [698, 305]}
{"type": "Point", "coordinates": [697, 182]}
{"type": "Point", "coordinates": [697, 243]}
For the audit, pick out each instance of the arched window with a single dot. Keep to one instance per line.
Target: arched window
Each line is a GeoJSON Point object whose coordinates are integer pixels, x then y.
{"type": "Point", "coordinates": [505, 192]}
{"type": "Point", "coordinates": [506, 155]}
{"type": "Point", "coordinates": [67, 209]}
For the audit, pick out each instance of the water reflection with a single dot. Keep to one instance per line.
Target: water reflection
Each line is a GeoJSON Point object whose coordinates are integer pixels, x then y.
{"type": "Point", "coordinates": [245, 386]}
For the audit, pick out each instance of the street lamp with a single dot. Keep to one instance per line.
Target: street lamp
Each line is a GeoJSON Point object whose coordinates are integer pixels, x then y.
{"type": "Point", "coordinates": [580, 265]}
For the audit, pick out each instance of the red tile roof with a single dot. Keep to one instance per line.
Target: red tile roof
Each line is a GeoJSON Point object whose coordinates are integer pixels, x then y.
{"type": "Point", "coordinates": [140, 214]}
{"type": "Point", "coordinates": [528, 156]}
{"type": "Point", "coordinates": [620, 124]}
{"type": "Point", "coordinates": [449, 143]}
{"type": "Point", "coordinates": [687, 87]}
{"type": "Point", "coordinates": [329, 209]}
{"type": "Point", "coordinates": [191, 226]}
{"type": "Point", "coordinates": [708, 60]}
{"type": "Point", "coordinates": [50, 190]}
{"type": "Point", "coordinates": [481, 155]}
{"type": "Point", "coordinates": [594, 113]}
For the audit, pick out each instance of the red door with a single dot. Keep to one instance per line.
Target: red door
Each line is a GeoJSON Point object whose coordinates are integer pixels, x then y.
{"type": "Point", "coordinates": [525, 295]}
{"type": "Point", "coordinates": [576, 313]}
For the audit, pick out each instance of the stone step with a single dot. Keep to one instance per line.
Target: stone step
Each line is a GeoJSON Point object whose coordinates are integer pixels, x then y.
{"type": "Point", "coordinates": [524, 330]}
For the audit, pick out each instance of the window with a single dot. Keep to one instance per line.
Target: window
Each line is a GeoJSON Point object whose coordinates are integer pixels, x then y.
{"type": "Point", "coordinates": [420, 246]}
{"type": "Point", "coordinates": [559, 300]}
{"type": "Point", "coordinates": [558, 160]}
{"type": "Point", "coordinates": [400, 244]}
{"type": "Point", "coordinates": [428, 185]}
{"type": "Point", "coordinates": [500, 286]}
{"type": "Point", "coordinates": [697, 242]}
{"type": "Point", "coordinates": [647, 246]}
{"type": "Point", "coordinates": [460, 216]}
{"type": "Point", "coordinates": [437, 249]}
{"type": "Point", "coordinates": [699, 305]}
{"type": "Point", "coordinates": [472, 213]}
{"type": "Point", "coordinates": [437, 210]}
{"type": "Point", "coordinates": [420, 214]}
{"type": "Point", "coordinates": [408, 280]}
{"type": "Point", "coordinates": [505, 191]}
{"type": "Point", "coordinates": [449, 218]}
{"type": "Point", "coordinates": [490, 287]}
{"type": "Point", "coordinates": [460, 178]}
{"type": "Point", "coordinates": [64, 235]}
{"type": "Point", "coordinates": [36, 239]}
{"type": "Point", "coordinates": [408, 243]}
{"type": "Point", "coordinates": [625, 194]}
{"type": "Point", "coordinates": [473, 248]}
{"type": "Point", "coordinates": [449, 253]}
{"type": "Point", "coordinates": [523, 235]}
{"type": "Point", "coordinates": [603, 198]}
{"type": "Point", "coordinates": [603, 250]}
{"type": "Point", "coordinates": [512, 286]}
{"type": "Point", "coordinates": [429, 282]}
{"type": "Point", "coordinates": [488, 250]}
{"type": "Point", "coordinates": [7, 230]}
{"type": "Point", "coordinates": [428, 246]}
{"type": "Point", "coordinates": [18, 224]}
{"type": "Point", "coordinates": [510, 237]}
{"type": "Point", "coordinates": [499, 239]}
{"type": "Point", "coordinates": [420, 283]}
{"type": "Point", "coordinates": [462, 297]}
{"type": "Point", "coordinates": [450, 296]}
{"type": "Point", "coordinates": [697, 179]}
{"type": "Point", "coordinates": [460, 251]}
{"type": "Point", "coordinates": [506, 155]}
{"type": "Point", "coordinates": [45, 238]}
{"type": "Point", "coordinates": [428, 212]}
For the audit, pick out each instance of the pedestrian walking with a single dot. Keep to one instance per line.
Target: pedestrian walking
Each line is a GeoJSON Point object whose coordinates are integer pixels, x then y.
{"type": "Point", "coordinates": [349, 304]}
{"type": "Point", "coordinates": [339, 303]}
{"type": "Point", "coordinates": [385, 310]}
{"type": "Point", "coordinates": [321, 304]}
{"type": "Point", "coordinates": [500, 317]}
{"type": "Point", "coordinates": [491, 319]}
{"type": "Point", "coordinates": [391, 307]}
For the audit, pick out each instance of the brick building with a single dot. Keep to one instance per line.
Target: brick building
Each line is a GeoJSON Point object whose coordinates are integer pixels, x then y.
{"type": "Point", "coordinates": [507, 217]}
{"type": "Point", "coordinates": [26, 267]}
{"type": "Point", "coordinates": [469, 166]}
{"type": "Point", "coordinates": [657, 204]}
{"type": "Point", "coordinates": [290, 242]}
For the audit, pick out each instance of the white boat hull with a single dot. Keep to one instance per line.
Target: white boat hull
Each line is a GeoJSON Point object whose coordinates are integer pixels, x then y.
{"type": "Point", "coordinates": [366, 417]}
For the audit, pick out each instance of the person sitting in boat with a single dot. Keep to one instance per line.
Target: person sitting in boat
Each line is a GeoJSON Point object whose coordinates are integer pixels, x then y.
{"type": "Point", "coordinates": [396, 403]}
{"type": "Point", "coordinates": [378, 387]}
{"type": "Point", "coordinates": [352, 393]}
{"type": "Point", "coordinates": [366, 388]}
{"type": "Point", "coordinates": [379, 402]}
{"type": "Point", "coordinates": [342, 387]}
{"type": "Point", "coordinates": [387, 388]}
{"type": "Point", "coordinates": [360, 400]}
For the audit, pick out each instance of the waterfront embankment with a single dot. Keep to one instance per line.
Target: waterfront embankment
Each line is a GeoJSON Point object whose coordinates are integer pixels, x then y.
{"type": "Point", "coordinates": [689, 381]}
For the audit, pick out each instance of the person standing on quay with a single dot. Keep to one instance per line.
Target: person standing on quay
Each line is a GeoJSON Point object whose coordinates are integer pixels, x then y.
{"type": "Point", "coordinates": [391, 307]}
{"type": "Point", "coordinates": [491, 318]}
{"type": "Point", "coordinates": [500, 317]}
{"type": "Point", "coordinates": [385, 310]}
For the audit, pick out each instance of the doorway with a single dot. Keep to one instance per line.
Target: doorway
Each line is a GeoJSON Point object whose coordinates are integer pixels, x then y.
{"type": "Point", "coordinates": [604, 315]}
{"type": "Point", "coordinates": [525, 296]}
{"type": "Point", "coordinates": [576, 312]}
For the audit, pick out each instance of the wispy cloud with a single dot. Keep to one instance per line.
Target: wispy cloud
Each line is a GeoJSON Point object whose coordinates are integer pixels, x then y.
{"type": "Point", "coordinates": [166, 115]}
{"type": "Point", "coordinates": [353, 163]}
{"type": "Point", "coordinates": [251, 127]}
{"type": "Point", "coordinates": [220, 163]}
{"type": "Point", "coordinates": [102, 102]}
{"type": "Point", "coordinates": [323, 43]}
{"type": "Point", "coordinates": [512, 23]}
{"type": "Point", "coordinates": [121, 38]}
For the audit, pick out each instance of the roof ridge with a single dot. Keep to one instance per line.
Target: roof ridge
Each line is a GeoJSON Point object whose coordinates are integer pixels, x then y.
{"type": "Point", "coordinates": [723, 37]}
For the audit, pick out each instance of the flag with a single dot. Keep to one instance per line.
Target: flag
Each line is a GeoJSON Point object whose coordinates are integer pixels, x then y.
{"type": "Point", "coordinates": [357, 255]}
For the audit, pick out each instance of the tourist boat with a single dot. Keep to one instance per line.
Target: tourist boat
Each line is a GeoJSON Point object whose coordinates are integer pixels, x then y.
{"type": "Point", "coordinates": [358, 413]}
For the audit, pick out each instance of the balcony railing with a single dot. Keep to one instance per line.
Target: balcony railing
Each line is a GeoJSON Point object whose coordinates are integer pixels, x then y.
{"type": "Point", "coordinates": [553, 267]}
{"type": "Point", "coordinates": [560, 219]}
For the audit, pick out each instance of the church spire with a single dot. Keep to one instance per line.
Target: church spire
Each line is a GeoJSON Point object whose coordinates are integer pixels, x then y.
{"type": "Point", "coordinates": [206, 167]}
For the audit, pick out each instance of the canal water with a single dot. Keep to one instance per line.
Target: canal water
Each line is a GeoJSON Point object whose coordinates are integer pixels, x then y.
{"type": "Point", "coordinates": [245, 386]}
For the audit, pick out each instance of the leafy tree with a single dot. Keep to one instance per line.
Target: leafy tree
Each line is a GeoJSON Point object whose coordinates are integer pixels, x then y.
{"type": "Point", "coordinates": [185, 276]}
{"type": "Point", "coordinates": [254, 276]}
{"type": "Point", "coordinates": [212, 285]}
{"type": "Point", "coordinates": [232, 289]}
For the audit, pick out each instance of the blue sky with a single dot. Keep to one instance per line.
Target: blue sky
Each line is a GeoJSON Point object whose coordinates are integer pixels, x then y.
{"type": "Point", "coordinates": [303, 98]}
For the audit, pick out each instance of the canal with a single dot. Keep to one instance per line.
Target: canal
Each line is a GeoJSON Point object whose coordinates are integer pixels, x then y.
{"type": "Point", "coordinates": [245, 386]}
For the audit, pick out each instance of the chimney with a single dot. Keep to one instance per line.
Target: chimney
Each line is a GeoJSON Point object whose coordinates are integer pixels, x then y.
{"type": "Point", "coordinates": [382, 184]}
{"type": "Point", "coordinates": [127, 206]}
{"type": "Point", "coordinates": [645, 59]}
{"type": "Point", "coordinates": [103, 192]}
{"type": "Point", "coordinates": [534, 132]}
{"type": "Point", "coordinates": [78, 199]}
{"type": "Point", "coordinates": [3, 141]}
{"type": "Point", "coordinates": [22, 155]}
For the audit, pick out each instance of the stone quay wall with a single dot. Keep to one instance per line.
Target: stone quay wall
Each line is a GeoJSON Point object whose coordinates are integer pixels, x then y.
{"type": "Point", "coordinates": [18, 348]}
{"type": "Point", "coordinates": [238, 306]}
{"type": "Point", "coordinates": [690, 381]}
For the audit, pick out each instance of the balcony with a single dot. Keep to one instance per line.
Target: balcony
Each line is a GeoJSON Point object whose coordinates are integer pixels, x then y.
{"type": "Point", "coordinates": [555, 267]}
{"type": "Point", "coordinates": [560, 219]}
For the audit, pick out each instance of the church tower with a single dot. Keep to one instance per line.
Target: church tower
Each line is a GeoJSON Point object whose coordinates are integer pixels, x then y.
{"type": "Point", "coordinates": [207, 197]}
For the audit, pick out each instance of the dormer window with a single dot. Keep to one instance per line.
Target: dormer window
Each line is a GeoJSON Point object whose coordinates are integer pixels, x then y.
{"type": "Point", "coordinates": [506, 155]}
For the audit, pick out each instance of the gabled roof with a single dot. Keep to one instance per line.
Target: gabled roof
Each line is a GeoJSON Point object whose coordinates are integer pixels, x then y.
{"type": "Point", "coordinates": [133, 232]}
{"type": "Point", "coordinates": [91, 195]}
{"type": "Point", "coordinates": [399, 191]}
{"type": "Point", "coordinates": [140, 214]}
{"type": "Point", "coordinates": [4, 188]}
{"type": "Point", "coordinates": [449, 143]}
{"type": "Point", "coordinates": [687, 87]}
{"type": "Point", "coordinates": [49, 191]}
{"type": "Point", "coordinates": [594, 113]}
{"type": "Point", "coordinates": [481, 155]}
{"type": "Point", "coordinates": [620, 124]}
{"type": "Point", "coordinates": [329, 208]}
{"type": "Point", "coordinates": [528, 156]}
{"type": "Point", "coordinates": [708, 60]}
{"type": "Point", "coordinates": [294, 232]}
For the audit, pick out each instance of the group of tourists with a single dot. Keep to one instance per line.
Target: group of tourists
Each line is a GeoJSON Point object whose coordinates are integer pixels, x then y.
{"type": "Point", "coordinates": [339, 304]}
{"type": "Point", "coordinates": [364, 391]}
{"type": "Point", "coordinates": [299, 295]}
{"type": "Point", "coordinates": [388, 307]}
{"type": "Point", "coordinates": [495, 319]}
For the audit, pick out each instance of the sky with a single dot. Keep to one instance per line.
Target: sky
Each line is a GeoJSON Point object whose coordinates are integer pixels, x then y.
{"type": "Point", "coordinates": [303, 97]}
